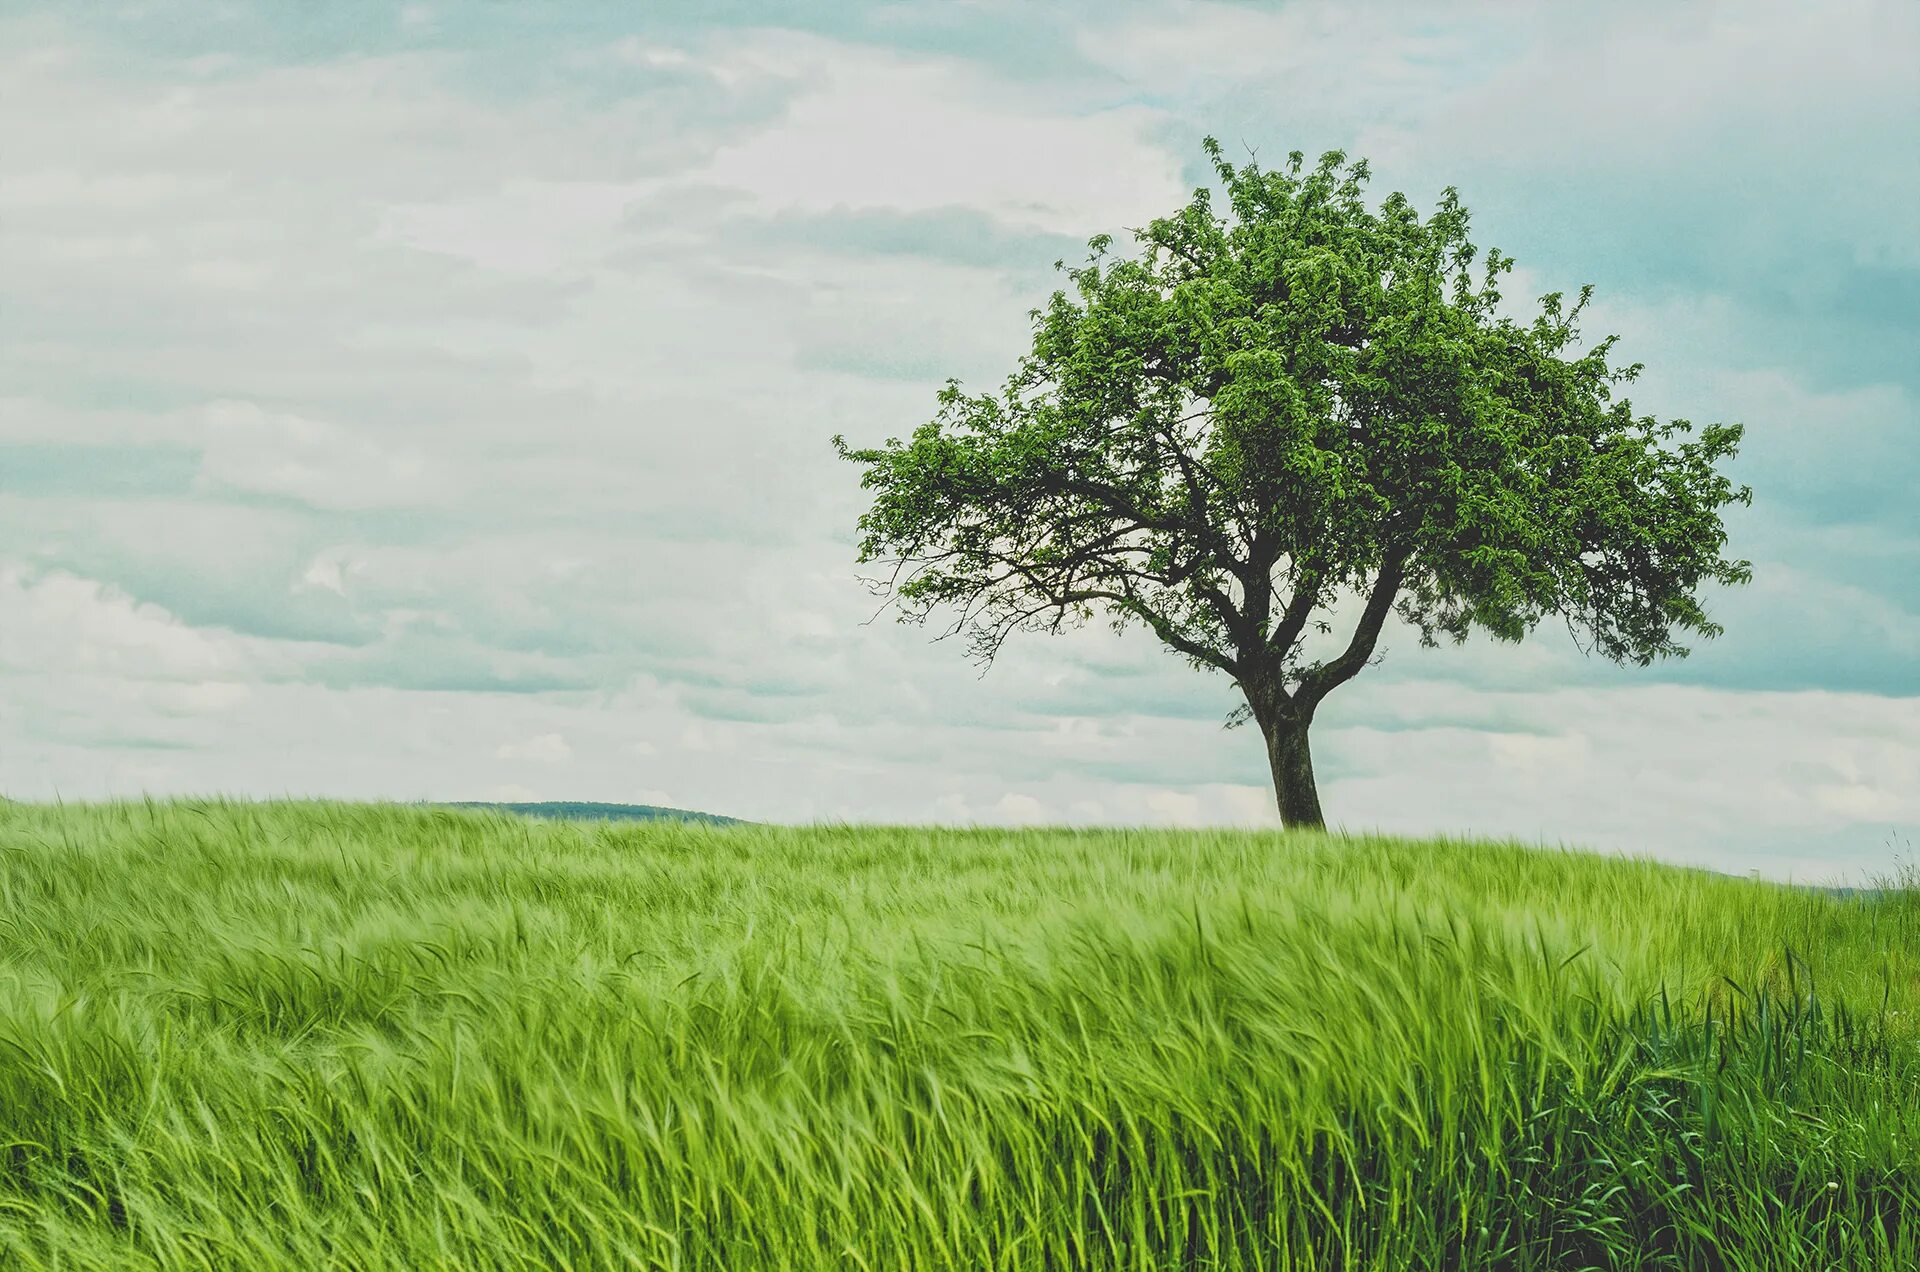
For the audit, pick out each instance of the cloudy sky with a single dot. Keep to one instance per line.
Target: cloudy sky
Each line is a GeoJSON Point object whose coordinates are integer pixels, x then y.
{"type": "Point", "coordinates": [433, 401]}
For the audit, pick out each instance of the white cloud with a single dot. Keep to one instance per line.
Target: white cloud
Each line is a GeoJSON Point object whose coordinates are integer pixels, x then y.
{"type": "Point", "coordinates": [873, 128]}
{"type": "Point", "coordinates": [637, 52]}
{"type": "Point", "coordinates": [702, 737]}
{"type": "Point", "coordinates": [316, 462]}
{"type": "Point", "coordinates": [547, 748]}
{"type": "Point", "coordinates": [1177, 807]}
{"type": "Point", "coordinates": [57, 622]}
{"type": "Point", "coordinates": [1532, 755]}
{"type": "Point", "coordinates": [1332, 61]}
{"type": "Point", "coordinates": [534, 227]}
{"type": "Point", "coordinates": [1858, 802]}
{"type": "Point", "coordinates": [1710, 776]}
{"type": "Point", "coordinates": [326, 574]}
{"type": "Point", "coordinates": [1016, 807]}
{"type": "Point", "coordinates": [205, 697]}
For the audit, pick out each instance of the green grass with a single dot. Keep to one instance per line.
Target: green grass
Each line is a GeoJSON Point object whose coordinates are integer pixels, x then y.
{"type": "Point", "coordinates": [335, 1036]}
{"type": "Point", "coordinates": [576, 810]}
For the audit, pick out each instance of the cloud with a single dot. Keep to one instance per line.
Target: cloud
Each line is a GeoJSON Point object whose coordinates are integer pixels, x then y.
{"type": "Point", "coordinates": [1016, 807]}
{"type": "Point", "coordinates": [326, 574]}
{"type": "Point", "coordinates": [312, 461]}
{"type": "Point", "coordinates": [547, 748]}
{"type": "Point", "coordinates": [962, 236]}
{"type": "Point", "coordinates": [41, 470]}
{"type": "Point", "coordinates": [1593, 765]}
{"type": "Point", "coordinates": [1330, 64]}
{"type": "Point", "coordinates": [59, 622]}
{"type": "Point", "coordinates": [533, 227]}
{"type": "Point", "coordinates": [872, 128]}
{"type": "Point", "coordinates": [1177, 807]}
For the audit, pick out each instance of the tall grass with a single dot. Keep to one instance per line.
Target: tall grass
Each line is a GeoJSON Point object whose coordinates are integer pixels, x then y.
{"type": "Point", "coordinates": [333, 1036]}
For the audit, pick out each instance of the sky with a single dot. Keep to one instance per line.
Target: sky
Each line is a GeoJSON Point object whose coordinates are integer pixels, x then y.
{"type": "Point", "coordinates": [433, 401]}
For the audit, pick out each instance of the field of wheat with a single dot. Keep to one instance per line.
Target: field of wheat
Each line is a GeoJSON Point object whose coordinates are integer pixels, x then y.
{"type": "Point", "coordinates": [309, 1035]}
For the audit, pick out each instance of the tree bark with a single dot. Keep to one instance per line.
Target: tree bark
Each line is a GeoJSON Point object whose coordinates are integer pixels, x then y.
{"type": "Point", "coordinates": [1291, 759]}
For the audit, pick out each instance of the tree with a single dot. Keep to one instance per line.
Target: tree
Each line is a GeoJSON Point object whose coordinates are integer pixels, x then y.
{"type": "Point", "coordinates": [1303, 410]}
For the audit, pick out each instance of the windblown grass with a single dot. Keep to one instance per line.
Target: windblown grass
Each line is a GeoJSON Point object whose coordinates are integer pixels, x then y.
{"type": "Point", "coordinates": [334, 1036]}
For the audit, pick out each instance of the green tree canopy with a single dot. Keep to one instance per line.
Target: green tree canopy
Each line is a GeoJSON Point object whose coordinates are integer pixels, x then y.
{"type": "Point", "coordinates": [1293, 409]}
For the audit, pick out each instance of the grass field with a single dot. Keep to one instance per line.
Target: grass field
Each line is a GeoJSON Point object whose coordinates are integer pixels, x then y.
{"type": "Point", "coordinates": [335, 1036]}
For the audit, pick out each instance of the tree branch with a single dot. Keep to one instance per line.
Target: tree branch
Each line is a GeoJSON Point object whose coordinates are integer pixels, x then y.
{"type": "Point", "coordinates": [1327, 677]}
{"type": "Point", "coordinates": [1165, 631]}
{"type": "Point", "coordinates": [1197, 525]}
{"type": "Point", "coordinates": [1058, 594]}
{"type": "Point", "coordinates": [1293, 620]}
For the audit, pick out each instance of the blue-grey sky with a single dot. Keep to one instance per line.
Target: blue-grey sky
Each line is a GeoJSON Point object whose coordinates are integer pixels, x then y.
{"type": "Point", "coordinates": [432, 400]}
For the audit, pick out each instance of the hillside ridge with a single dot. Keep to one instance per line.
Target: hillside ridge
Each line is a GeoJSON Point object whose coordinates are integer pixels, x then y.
{"type": "Point", "coordinates": [589, 810]}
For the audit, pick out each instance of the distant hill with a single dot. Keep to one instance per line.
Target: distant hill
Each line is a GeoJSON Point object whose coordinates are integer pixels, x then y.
{"type": "Point", "coordinates": [570, 810]}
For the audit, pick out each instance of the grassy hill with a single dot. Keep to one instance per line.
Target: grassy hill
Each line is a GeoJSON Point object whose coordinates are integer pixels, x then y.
{"type": "Point", "coordinates": [577, 810]}
{"type": "Point", "coordinates": [308, 1035]}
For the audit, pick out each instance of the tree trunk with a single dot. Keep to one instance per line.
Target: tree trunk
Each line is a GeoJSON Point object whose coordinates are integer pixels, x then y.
{"type": "Point", "coordinates": [1292, 762]}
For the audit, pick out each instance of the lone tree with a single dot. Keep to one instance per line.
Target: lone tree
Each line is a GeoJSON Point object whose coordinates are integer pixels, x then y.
{"type": "Point", "coordinates": [1304, 411]}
